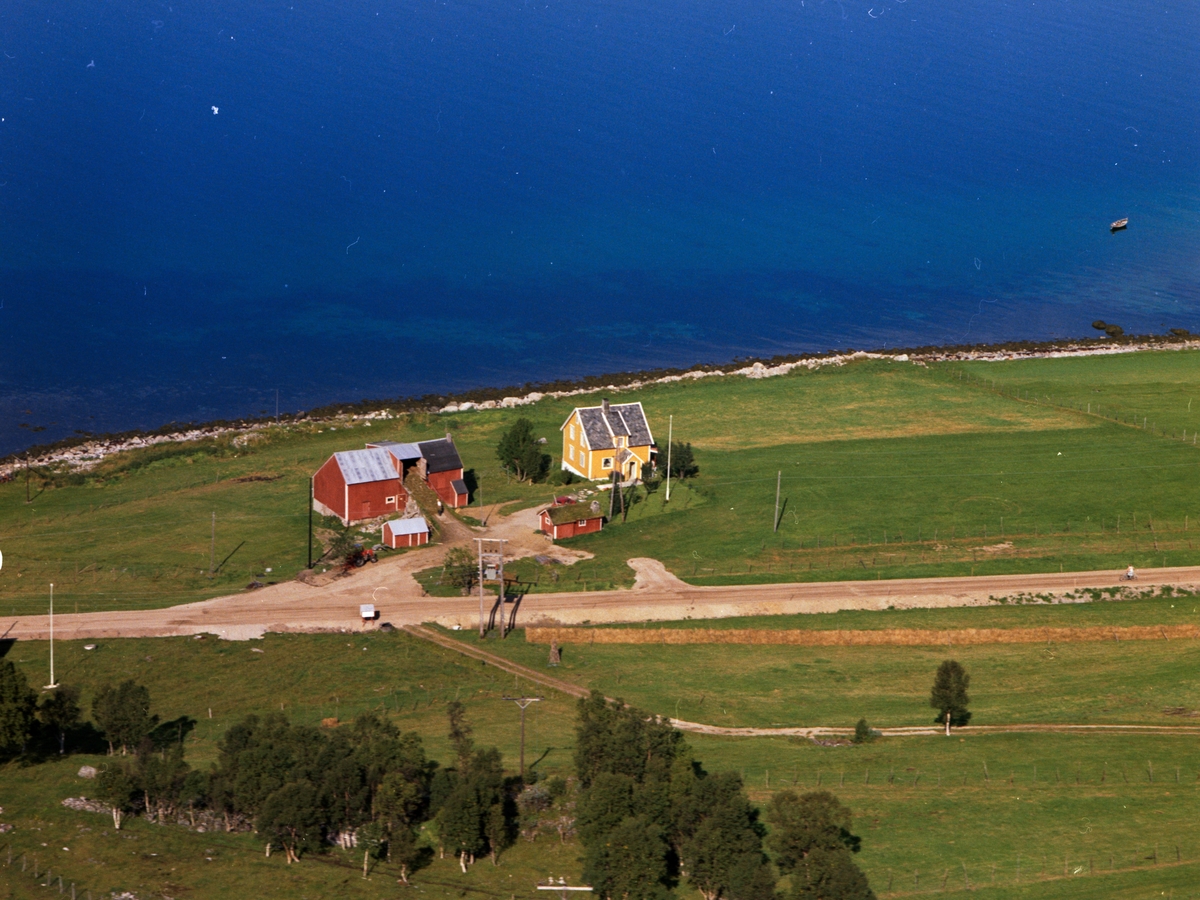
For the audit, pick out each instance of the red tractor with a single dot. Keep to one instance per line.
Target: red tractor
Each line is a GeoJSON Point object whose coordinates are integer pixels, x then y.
{"type": "Point", "coordinates": [359, 557]}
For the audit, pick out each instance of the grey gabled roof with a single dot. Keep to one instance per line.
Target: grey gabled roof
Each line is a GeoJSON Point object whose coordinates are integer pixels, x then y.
{"type": "Point", "coordinates": [625, 419]}
{"type": "Point", "coordinates": [441, 455]}
{"type": "Point", "coordinates": [635, 420]}
{"type": "Point", "coordinates": [362, 466]}
{"type": "Point", "coordinates": [416, 525]}
{"type": "Point", "coordinates": [459, 486]}
{"type": "Point", "coordinates": [403, 452]}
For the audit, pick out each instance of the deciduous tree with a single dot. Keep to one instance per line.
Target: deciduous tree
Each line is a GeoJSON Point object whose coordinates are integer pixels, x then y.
{"type": "Point", "coordinates": [123, 714]}
{"type": "Point", "coordinates": [18, 704]}
{"type": "Point", "coordinates": [949, 695]}
{"type": "Point", "coordinates": [59, 710]}
{"type": "Point", "coordinates": [630, 863]}
{"type": "Point", "coordinates": [812, 841]}
{"type": "Point", "coordinates": [291, 817]}
{"type": "Point", "coordinates": [116, 788]}
{"type": "Point", "coordinates": [520, 453]}
{"type": "Point", "coordinates": [682, 461]}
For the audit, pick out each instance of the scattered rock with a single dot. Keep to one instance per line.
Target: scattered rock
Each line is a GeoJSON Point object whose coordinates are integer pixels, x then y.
{"type": "Point", "coordinates": [83, 804]}
{"type": "Point", "coordinates": [87, 772]}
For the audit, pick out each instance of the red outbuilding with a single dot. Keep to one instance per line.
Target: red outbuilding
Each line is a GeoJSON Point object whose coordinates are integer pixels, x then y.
{"type": "Point", "coordinates": [406, 532]}
{"type": "Point", "coordinates": [443, 470]}
{"type": "Point", "coordinates": [570, 520]}
{"type": "Point", "coordinates": [357, 485]}
{"type": "Point", "coordinates": [438, 464]}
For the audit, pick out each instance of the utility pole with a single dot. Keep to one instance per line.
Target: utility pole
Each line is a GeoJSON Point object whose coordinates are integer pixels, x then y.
{"type": "Point", "coordinates": [490, 561]}
{"type": "Point", "coordinates": [27, 498]}
{"type": "Point", "coordinates": [311, 497]}
{"type": "Point", "coordinates": [212, 547]}
{"type": "Point", "coordinates": [670, 431]}
{"type": "Point", "coordinates": [778, 481]}
{"type": "Point", "coordinates": [276, 406]}
{"type": "Point", "coordinates": [523, 702]}
{"type": "Point", "coordinates": [53, 684]}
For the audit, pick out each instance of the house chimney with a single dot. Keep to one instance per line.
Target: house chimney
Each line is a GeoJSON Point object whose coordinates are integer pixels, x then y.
{"type": "Point", "coordinates": [604, 405]}
{"type": "Point", "coordinates": [448, 438]}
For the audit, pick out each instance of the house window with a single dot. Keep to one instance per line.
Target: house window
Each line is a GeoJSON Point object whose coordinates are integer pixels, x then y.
{"type": "Point", "coordinates": [389, 500]}
{"type": "Point", "coordinates": [620, 442]}
{"type": "Point", "coordinates": [581, 523]}
{"type": "Point", "coordinates": [570, 452]}
{"type": "Point", "coordinates": [572, 432]}
{"type": "Point", "coordinates": [606, 463]}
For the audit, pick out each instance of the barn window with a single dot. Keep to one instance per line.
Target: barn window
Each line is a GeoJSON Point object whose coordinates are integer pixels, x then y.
{"type": "Point", "coordinates": [581, 523]}
{"type": "Point", "coordinates": [389, 499]}
{"type": "Point", "coordinates": [606, 463]}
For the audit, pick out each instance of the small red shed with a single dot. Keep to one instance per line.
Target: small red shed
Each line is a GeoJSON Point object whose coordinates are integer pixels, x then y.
{"type": "Point", "coordinates": [570, 520]}
{"type": "Point", "coordinates": [357, 485]}
{"type": "Point", "coordinates": [406, 532]}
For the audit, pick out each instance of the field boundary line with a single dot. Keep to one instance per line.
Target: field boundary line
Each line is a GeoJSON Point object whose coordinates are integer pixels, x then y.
{"type": "Point", "coordinates": [426, 633]}
{"type": "Point", "coordinates": [909, 637]}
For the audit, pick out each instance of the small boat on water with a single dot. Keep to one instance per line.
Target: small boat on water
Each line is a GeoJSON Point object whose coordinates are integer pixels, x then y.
{"type": "Point", "coordinates": [1119, 225]}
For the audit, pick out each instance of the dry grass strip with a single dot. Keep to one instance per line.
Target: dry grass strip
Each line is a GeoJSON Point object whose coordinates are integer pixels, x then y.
{"type": "Point", "coordinates": [903, 637]}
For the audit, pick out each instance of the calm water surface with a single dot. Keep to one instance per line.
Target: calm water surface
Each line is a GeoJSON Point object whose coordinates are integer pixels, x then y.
{"type": "Point", "coordinates": [202, 203]}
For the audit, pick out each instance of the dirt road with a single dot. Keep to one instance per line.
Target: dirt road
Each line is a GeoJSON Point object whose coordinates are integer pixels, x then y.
{"type": "Point", "coordinates": [656, 596]}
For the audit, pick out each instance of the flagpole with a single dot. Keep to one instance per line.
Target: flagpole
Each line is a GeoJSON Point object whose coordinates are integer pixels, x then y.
{"type": "Point", "coordinates": [53, 684]}
{"type": "Point", "coordinates": [670, 432]}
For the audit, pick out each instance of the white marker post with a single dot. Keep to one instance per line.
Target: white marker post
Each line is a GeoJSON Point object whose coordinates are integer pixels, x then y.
{"type": "Point", "coordinates": [53, 684]}
{"type": "Point", "coordinates": [670, 432]}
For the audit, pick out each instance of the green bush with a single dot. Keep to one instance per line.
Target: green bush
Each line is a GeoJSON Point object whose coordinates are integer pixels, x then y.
{"type": "Point", "coordinates": [863, 733]}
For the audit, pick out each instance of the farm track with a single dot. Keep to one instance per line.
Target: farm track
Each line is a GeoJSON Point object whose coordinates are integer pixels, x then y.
{"type": "Point", "coordinates": [811, 732]}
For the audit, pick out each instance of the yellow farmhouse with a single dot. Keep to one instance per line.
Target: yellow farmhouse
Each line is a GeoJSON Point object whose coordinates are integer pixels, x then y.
{"type": "Point", "coordinates": [598, 438]}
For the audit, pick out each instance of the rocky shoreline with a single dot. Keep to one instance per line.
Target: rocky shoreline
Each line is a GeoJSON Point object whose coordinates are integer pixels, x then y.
{"type": "Point", "coordinates": [86, 453]}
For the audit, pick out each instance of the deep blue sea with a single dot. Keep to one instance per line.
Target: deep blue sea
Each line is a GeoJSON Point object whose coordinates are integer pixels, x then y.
{"type": "Point", "coordinates": [202, 203]}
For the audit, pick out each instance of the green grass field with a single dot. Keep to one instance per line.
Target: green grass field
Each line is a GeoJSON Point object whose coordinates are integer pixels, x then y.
{"type": "Point", "coordinates": [1097, 804]}
{"type": "Point", "coordinates": [888, 470]}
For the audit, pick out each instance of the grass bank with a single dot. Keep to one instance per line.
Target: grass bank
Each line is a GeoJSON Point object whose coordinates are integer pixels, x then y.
{"type": "Point", "coordinates": [886, 469]}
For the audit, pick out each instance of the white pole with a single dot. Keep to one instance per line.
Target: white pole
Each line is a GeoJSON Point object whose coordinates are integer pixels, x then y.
{"type": "Point", "coordinates": [53, 684]}
{"type": "Point", "coordinates": [670, 431]}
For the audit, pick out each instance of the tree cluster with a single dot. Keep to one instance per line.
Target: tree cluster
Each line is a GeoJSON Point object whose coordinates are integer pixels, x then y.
{"type": "Point", "coordinates": [475, 809]}
{"type": "Point", "coordinates": [680, 458]}
{"type": "Point", "coordinates": [650, 815]}
{"type": "Point", "coordinates": [812, 842]}
{"type": "Point", "coordinates": [521, 454]}
{"type": "Point", "coordinates": [302, 786]}
{"type": "Point", "coordinates": [23, 719]}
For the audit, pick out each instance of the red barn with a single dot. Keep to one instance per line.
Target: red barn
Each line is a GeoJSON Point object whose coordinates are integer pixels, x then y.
{"type": "Point", "coordinates": [443, 470]}
{"type": "Point", "coordinates": [570, 520]}
{"type": "Point", "coordinates": [356, 485]}
{"type": "Point", "coordinates": [406, 532]}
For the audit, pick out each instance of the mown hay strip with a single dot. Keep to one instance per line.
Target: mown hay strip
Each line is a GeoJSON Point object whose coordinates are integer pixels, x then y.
{"type": "Point", "coordinates": [904, 637]}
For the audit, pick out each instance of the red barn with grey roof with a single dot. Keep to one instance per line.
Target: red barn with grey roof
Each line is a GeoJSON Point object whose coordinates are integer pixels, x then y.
{"type": "Point", "coordinates": [357, 485]}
